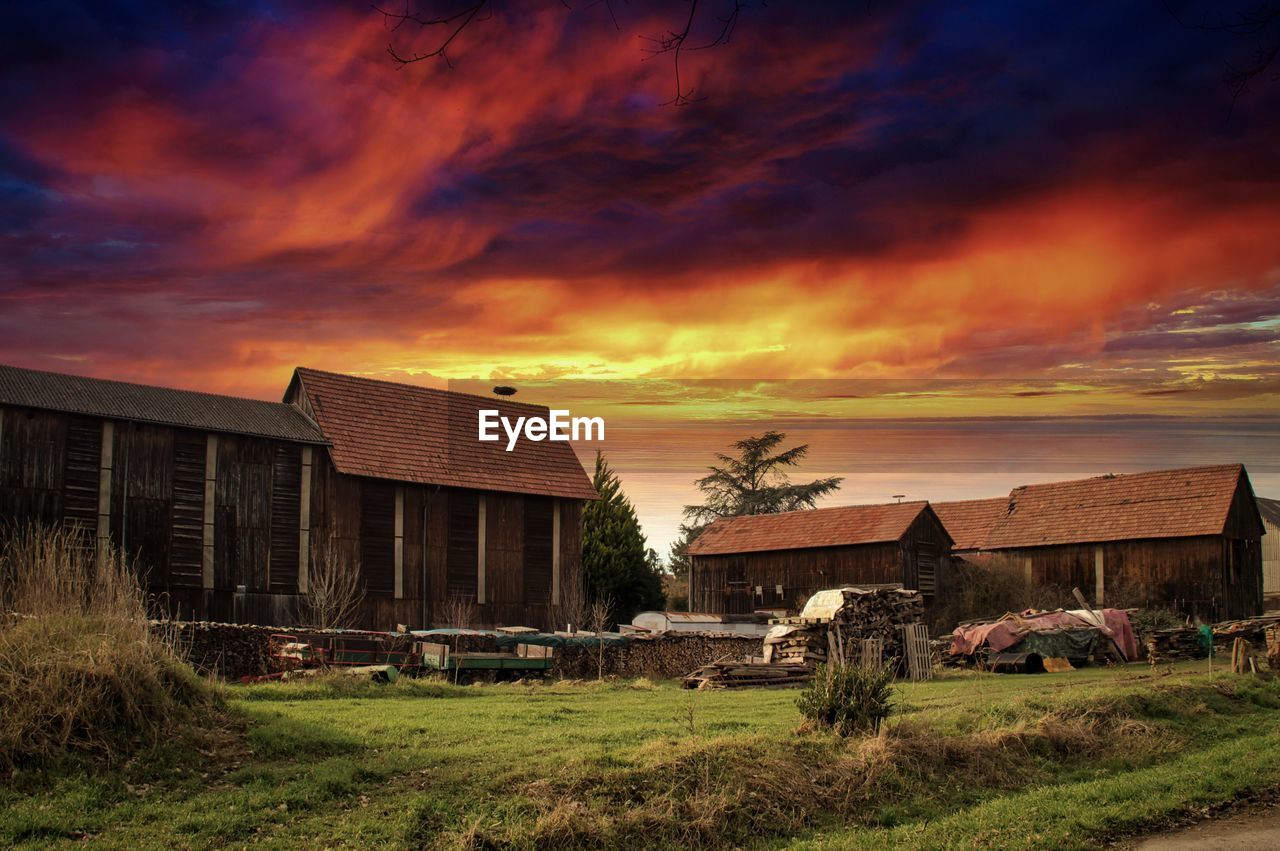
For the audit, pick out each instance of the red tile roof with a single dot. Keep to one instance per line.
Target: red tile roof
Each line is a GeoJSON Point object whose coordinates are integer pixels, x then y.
{"type": "Point", "coordinates": [823, 527]}
{"type": "Point", "coordinates": [1161, 504]}
{"type": "Point", "coordinates": [969, 521]}
{"type": "Point", "coordinates": [387, 430]}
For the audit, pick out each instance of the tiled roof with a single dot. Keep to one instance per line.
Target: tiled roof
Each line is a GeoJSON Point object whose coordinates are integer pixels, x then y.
{"type": "Point", "coordinates": [119, 400]}
{"type": "Point", "coordinates": [969, 521]}
{"type": "Point", "coordinates": [1161, 504]}
{"type": "Point", "coordinates": [388, 430]}
{"type": "Point", "coordinates": [822, 527]}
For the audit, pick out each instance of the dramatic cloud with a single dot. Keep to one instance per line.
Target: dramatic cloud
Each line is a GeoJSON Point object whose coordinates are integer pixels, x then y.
{"type": "Point", "coordinates": [211, 196]}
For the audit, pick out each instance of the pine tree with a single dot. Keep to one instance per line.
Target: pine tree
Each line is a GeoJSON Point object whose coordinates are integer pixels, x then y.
{"type": "Point", "coordinates": [614, 554]}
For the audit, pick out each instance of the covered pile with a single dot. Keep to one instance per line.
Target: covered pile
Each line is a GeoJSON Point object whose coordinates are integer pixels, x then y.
{"type": "Point", "coordinates": [1070, 634]}
{"type": "Point", "coordinates": [1184, 643]}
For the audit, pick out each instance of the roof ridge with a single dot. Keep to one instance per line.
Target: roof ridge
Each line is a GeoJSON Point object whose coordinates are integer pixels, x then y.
{"type": "Point", "coordinates": [140, 384]}
{"type": "Point", "coordinates": [422, 387]}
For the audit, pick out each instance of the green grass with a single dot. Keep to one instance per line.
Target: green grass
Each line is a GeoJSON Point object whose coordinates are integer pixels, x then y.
{"type": "Point", "coordinates": [1057, 760]}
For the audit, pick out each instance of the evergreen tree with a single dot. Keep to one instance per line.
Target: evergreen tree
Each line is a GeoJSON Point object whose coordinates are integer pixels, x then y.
{"type": "Point", "coordinates": [615, 559]}
{"type": "Point", "coordinates": [752, 482]}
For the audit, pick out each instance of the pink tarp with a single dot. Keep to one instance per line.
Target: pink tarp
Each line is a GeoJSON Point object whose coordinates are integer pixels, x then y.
{"type": "Point", "coordinates": [1011, 629]}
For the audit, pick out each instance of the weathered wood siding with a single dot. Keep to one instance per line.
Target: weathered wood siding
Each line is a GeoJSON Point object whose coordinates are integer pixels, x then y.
{"type": "Point", "coordinates": [1271, 566]}
{"type": "Point", "coordinates": [1213, 578]}
{"type": "Point", "coordinates": [441, 548]}
{"type": "Point", "coordinates": [739, 583]}
{"type": "Point", "coordinates": [418, 546]}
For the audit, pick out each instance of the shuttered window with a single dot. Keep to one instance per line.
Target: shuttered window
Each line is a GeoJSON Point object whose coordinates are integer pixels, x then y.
{"type": "Point", "coordinates": [538, 528]}
{"type": "Point", "coordinates": [378, 536]}
{"type": "Point", "coordinates": [463, 552]}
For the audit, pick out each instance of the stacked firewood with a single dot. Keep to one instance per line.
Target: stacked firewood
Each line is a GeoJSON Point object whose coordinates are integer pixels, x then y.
{"type": "Point", "coordinates": [1183, 643]}
{"type": "Point", "coordinates": [1175, 645]}
{"type": "Point", "coordinates": [1273, 646]}
{"type": "Point", "coordinates": [796, 644]}
{"type": "Point", "coordinates": [746, 675]}
{"type": "Point", "coordinates": [837, 629]}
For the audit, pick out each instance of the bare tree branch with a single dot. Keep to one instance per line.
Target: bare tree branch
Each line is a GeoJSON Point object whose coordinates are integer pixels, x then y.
{"type": "Point", "coordinates": [449, 26]}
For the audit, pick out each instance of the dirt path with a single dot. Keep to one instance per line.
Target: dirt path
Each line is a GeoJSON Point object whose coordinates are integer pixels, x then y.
{"type": "Point", "coordinates": [1243, 831]}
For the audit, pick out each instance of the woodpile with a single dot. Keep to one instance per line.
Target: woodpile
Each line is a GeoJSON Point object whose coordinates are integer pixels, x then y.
{"type": "Point", "coordinates": [228, 650]}
{"type": "Point", "coordinates": [720, 675]}
{"type": "Point", "coordinates": [669, 655]}
{"type": "Point", "coordinates": [1175, 645]}
{"type": "Point", "coordinates": [838, 624]}
{"type": "Point", "coordinates": [1184, 643]}
{"type": "Point", "coordinates": [1273, 646]}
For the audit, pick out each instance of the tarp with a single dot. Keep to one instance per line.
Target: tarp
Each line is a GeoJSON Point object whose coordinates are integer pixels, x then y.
{"type": "Point", "coordinates": [1012, 628]}
{"type": "Point", "coordinates": [1069, 643]}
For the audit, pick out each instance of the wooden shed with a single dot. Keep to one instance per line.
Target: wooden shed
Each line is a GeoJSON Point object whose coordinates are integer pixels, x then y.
{"type": "Point", "coordinates": [778, 560]}
{"type": "Point", "coordinates": [1187, 539]}
{"type": "Point", "coordinates": [224, 501]}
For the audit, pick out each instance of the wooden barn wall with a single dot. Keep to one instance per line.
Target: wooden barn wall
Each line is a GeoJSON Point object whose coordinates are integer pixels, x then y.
{"type": "Point", "coordinates": [421, 541]}
{"type": "Point", "coordinates": [439, 567]}
{"type": "Point", "coordinates": [1189, 575]}
{"type": "Point", "coordinates": [1271, 566]}
{"type": "Point", "coordinates": [926, 540]}
{"type": "Point", "coordinates": [727, 583]}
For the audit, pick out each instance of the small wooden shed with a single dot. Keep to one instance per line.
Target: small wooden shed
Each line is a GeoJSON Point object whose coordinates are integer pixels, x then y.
{"type": "Point", "coordinates": [778, 560]}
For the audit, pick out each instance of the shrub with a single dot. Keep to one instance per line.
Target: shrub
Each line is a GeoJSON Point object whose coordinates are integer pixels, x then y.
{"type": "Point", "coordinates": [848, 699]}
{"type": "Point", "coordinates": [80, 670]}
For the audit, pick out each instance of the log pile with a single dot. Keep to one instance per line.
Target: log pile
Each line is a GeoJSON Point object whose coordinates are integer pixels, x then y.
{"type": "Point", "coordinates": [1184, 643]}
{"type": "Point", "coordinates": [835, 623]}
{"type": "Point", "coordinates": [719, 675]}
{"type": "Point", "coordinates": [228, 650]}
{"type": "Point", "coordinates": [668, 655]}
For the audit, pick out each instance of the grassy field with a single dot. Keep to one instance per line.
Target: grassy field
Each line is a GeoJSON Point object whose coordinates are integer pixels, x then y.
{"type": "Point", "coordinates": [1055, 760]}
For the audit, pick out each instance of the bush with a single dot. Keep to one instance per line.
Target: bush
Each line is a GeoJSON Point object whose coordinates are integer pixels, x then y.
{"type": "Point", "coordinates": [848, 699]}
{"type": "Point", "coordinates": [80, 670]}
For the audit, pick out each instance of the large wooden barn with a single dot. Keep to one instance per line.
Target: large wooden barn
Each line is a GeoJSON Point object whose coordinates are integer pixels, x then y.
{"type": "Point", "coordinates": [225, 502]}
{"type": "Point", "coordinates": [778, 560]}
{"type": "Point", "coordinates": [1187, 539]}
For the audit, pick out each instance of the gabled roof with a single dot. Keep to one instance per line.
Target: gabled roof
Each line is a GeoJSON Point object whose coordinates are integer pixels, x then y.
{"type": "Point", "coordinates": [1182, 503]}
{"type": "Point", "coordinates": [823, 527]}
{"type": "Point", "coordinates": [120, 400]}
{"type": "Point", "coordinates": [969, 521]}
{"type": "Point", "coordinates": [407, 433]}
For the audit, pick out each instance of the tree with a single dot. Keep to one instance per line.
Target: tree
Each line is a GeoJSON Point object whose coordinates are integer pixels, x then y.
{"type": "Point", "coordinates": [335, 591]}
{"type": "Point", "coordinates": [754, 482]}
{"type": "Point", "coordinates": [614, 556]}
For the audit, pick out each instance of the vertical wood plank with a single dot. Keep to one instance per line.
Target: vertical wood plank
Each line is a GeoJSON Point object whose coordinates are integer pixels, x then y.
{"type": "Point", "coordinates": [480, 561]}
{"type": "Point", "coordinates": [1026, 572]}
{"type": "Point", "coordinates": [104, 485]}
{"type": "Point", "coordinates": [399, 552]}
{"type": "Point", "coordinates": [304, 523]}
{"type": "Point", "coordinates": [210, 483]}
{"type": "Point", "coordinates": [555, 553]}
{"type": "Point", "coordinates": [1099, 582]}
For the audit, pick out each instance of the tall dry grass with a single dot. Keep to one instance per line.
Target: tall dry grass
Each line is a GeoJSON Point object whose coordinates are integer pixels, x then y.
{"type": "Point", "coordinates": [81, 672]}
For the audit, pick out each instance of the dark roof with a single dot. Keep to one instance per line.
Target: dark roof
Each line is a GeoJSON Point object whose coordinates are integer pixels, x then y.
{"type": "Point", "coordinates": [1270, 510]}
{"type": "Point", "coordinates": [388, 430]}
{"type": "Point", "coordinates": [119, 400]}
{"type": "Point", "coordinates": [969, 521]}
{"type": "Point", "coordinates": [1190, 502]}
{"type": "Point", "coordinates": [823, 527]}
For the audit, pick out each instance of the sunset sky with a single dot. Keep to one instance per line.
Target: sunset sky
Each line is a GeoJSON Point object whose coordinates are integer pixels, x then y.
{"type": "Point", "coordinates": [1016, 210]}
